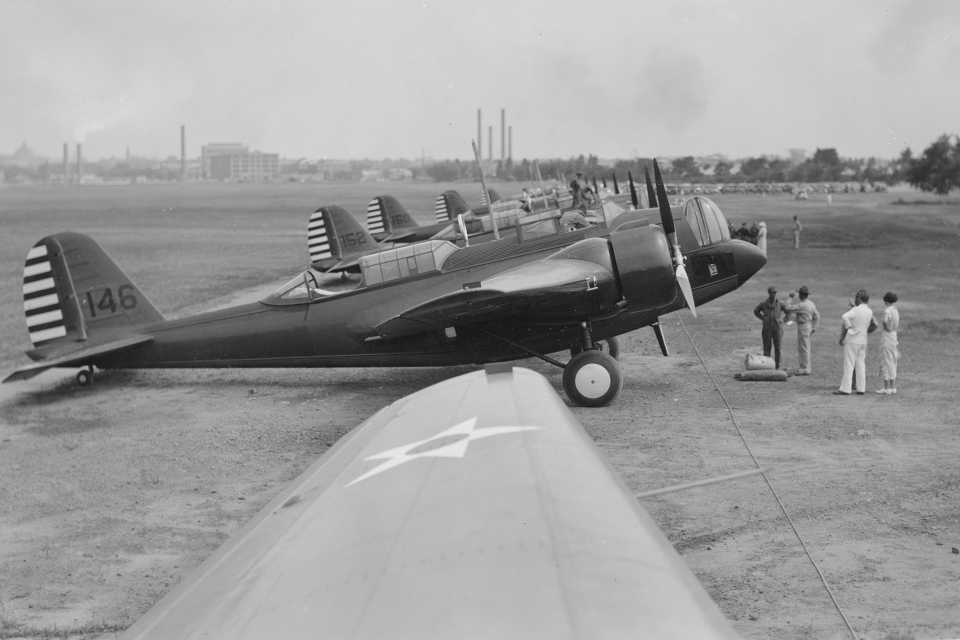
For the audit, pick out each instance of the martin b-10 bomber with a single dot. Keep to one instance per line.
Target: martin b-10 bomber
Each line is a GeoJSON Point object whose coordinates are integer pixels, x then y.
{"type": "Point", "coordinates": [536, 291]}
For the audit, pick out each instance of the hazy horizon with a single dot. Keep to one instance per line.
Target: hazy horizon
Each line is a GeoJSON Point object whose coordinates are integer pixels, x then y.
{"type": "Point", "coordinates": [394, 79]}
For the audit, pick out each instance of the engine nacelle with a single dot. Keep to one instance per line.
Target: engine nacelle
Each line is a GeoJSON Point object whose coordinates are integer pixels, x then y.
{"type": "Point", "coordinates": [644, 267]}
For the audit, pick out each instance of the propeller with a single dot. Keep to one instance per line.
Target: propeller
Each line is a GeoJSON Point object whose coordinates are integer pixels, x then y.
{"type": "Point", "coordinates": [658, 330]}
{"type": "Point", "coordinates": [616, 187]}
{"type": "Point", "coordinates": [666, 217]}
{"type": "Point", "coordinates": [651, 194]}
{"type": "Point", "coordinates": [633, 191]}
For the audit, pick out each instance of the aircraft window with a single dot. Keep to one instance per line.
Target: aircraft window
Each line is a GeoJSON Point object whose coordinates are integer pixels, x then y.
{"type": "Point", "coordinates": [713, 226]}
{"type": "Point", "coordinates": [691, 211]}
{"type": "Point", "coordinates": [312, 285]}
{"type": "Point", "coordinates": [712, 211]}
{"type": "Point", "coordinates": [405, 261]}
{"type": "Point", "coordinates": [505, 219]}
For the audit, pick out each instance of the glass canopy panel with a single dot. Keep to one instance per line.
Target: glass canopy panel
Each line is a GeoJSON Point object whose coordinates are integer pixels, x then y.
{"type": "Point", "coordinates": [404, 262]}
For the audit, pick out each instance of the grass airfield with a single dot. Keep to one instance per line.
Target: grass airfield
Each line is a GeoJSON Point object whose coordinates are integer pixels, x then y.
{"type": "Point", "coordinates": [110, 494]}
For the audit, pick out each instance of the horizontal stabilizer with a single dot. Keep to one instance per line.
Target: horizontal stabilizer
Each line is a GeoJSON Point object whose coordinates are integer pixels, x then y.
{"type": "Point", "coordinates": [76, 358]}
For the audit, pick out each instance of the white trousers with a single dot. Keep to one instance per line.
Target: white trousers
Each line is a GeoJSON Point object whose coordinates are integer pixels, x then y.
{"type": "Point", "coordinates": [853, 361]}
{"type": "Point", "coordinates": [803, 345]}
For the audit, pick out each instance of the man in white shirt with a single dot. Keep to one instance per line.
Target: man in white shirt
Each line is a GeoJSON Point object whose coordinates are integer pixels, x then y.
{"type": "Point", "coordinates": [853, 339]}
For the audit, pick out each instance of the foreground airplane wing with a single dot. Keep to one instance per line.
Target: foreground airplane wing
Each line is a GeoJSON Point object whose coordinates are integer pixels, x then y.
{"type": "Point", "coordinates": [475, 508]}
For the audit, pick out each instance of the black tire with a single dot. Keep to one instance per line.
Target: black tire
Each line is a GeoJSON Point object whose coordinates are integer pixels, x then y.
{"type": "Point", "coordinates": [592, 379]}
{"type": "Point", "coordinates": [84, 377]}
{"type": "Point", "coordinates": [609, 346]}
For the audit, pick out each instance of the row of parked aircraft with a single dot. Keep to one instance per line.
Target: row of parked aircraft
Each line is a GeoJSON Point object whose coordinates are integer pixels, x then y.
{"type": "Point", "coordinates": [475, 507]}
{"type": "Point", "coordinates": [533, 288]}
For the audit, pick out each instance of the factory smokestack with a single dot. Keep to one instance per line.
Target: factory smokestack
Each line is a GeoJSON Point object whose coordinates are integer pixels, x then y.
{"type": "Point", "coordinates": [79, 163]}
{"type": "Point", "coordinates": [479, 134]}
{"type": "Point", "coordinates": [183, 152]}
{"type": "Point", "coordinates": [503, 135]}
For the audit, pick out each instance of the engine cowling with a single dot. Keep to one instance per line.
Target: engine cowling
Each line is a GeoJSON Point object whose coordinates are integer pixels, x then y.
{"type": "Point", "coordinates": [644, 267]}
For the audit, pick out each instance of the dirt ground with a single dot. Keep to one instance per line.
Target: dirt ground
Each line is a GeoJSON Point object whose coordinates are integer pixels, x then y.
{"type": "Point", "coordinates": [110, 494]}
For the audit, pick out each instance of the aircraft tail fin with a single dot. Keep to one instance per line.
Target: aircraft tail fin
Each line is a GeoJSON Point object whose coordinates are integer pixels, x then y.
{"type": "Point", "coordinates": [449, 205]}
{"type": "Point", "coordinates": [73, 291]}
{"type": "Point", "coordinates": [334, 234]}
{"type": "Point", "coordinates": [385, 215]}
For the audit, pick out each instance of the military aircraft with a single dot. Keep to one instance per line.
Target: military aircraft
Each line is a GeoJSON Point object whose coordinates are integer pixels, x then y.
{"type": "Point", "coordinates": [478, 507]}
{"type": "Point", "coordinates": [537, 290]}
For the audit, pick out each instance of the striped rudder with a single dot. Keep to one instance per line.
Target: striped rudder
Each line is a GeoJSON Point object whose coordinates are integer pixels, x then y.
{"type": "Point", "coordinates": [41, 302]}
{"type": "Point", "coordinates": [72, 291]}
{"type": "Point", "coordinates": [318, 238]}
{"type": "Point", "coordinates": [449, 205]}
{"type": "Point", "coordinates": [333, 234]}
{"type": "Point", "coordinates": [377, 216]}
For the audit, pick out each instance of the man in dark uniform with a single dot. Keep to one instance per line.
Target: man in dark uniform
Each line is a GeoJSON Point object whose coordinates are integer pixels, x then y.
{"type": "Point", "coordinates": [771, 312]}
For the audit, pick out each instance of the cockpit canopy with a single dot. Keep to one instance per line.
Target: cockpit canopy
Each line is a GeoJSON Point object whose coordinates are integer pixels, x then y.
{"type": "Point", "coordinates": [312, 285]}
{"type": "Point", "coordinates": [706, 220]}
{"type": "Point", "coordinates": [404, 262]}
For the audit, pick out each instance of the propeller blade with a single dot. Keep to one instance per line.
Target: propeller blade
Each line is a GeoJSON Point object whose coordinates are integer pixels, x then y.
{"type": "Point", "coordinates": [658, 330]}
{"type": "Point", "coordinates": [616, 187]}
{"type": "Point", "coordinates": [633, 191]}
{"type": "Point", "coordinates": [666, 215]}
{"type": "Point", "coordinates": [651, 194]}
{"type": "Point", "coordinates": [684, 283]}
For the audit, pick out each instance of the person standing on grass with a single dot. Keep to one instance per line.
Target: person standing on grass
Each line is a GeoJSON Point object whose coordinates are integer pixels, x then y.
{"type": "Point", "coordinates": [889, 348]}
{"type": "Point", "coordinates": [853, 338]}
{"type": "Point", "coordinates": [808, 319]}
{"type": "Point", "coordinates": [771, 313]}
{"type": "Point", "coordinates": [797, 227]}
{"type": "Point", "coordinates": [762, 238]}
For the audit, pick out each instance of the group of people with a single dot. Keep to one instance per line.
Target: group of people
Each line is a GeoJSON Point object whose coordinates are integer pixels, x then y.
{"type": "Point", "coordinates": [856, 324]}
{"type": "Point", "coordinates": [756, 234]}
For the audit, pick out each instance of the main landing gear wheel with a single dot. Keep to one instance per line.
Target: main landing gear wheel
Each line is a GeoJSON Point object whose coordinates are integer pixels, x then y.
{"type": "Point", "coordinates": [592, 379]}
{"type": "Point", "coordinates": [85, 377]}
{"type": "Point", "coordinates": [610, 346]}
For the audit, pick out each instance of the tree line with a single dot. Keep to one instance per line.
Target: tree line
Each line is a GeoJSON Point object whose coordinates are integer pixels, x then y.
{"type": "Point", "coordinates": [938, 169]}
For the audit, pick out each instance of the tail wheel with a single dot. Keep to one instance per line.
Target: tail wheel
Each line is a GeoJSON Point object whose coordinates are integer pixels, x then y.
{"type": "Point", "coordinates": [592, 379]}
{"type": "Point", "coordinates": [85, 377]}
{"type": "Point", "coordinates": [610, 346]}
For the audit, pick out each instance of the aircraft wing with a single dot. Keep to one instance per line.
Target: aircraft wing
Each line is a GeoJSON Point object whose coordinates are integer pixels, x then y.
{"type": "Point", "coordinates": [477, 507]}
{"type": "Point", "coordinates": [548, 289]}
{"type": "Point", "coordinates": [76, 357]}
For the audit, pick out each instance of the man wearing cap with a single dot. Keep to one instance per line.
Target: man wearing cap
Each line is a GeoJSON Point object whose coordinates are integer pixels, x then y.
{"type": "Point", "coordinates": [771, 313]}
{"type": "Point", "coordinates": [805, 313]}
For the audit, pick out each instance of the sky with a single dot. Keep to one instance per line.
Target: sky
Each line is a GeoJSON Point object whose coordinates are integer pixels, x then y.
{"type": "Point", "coordinates": [397, 79]}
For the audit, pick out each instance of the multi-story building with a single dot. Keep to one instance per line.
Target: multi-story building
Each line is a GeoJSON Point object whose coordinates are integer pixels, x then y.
{"type": "Point", "coordinates": [233, 161]}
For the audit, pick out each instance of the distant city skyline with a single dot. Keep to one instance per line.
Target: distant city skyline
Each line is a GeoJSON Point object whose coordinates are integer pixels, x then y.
{"type": "Point", "coordinates": [396, 78]}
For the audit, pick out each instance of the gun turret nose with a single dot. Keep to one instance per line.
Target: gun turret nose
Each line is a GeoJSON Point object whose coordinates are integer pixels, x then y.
{"type": "Point", "coordinates": [747, 258]}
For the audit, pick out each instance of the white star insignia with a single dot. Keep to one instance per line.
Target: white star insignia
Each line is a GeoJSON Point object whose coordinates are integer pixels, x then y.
{"type": "Point", "coordinates": [461, 435]}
